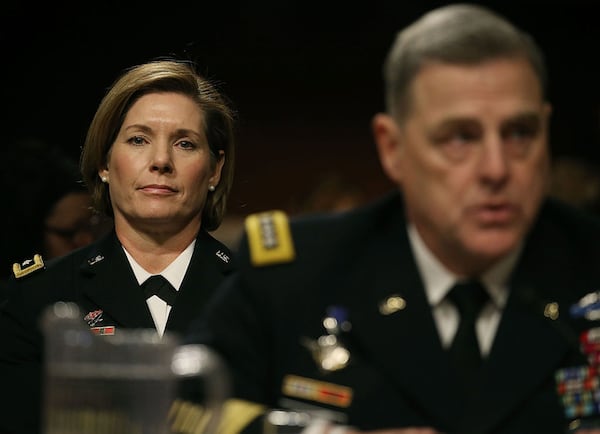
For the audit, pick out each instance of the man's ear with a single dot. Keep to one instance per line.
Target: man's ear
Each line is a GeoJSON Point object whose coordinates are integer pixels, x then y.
{"type": "Point", "coordinates": [387, 138]}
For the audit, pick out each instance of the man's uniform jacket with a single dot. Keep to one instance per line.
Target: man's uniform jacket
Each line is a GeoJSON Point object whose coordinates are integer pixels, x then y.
{"type": "Point", "coordinates": [99, 279]}
{"type": "Point", "coordinates": [357, 267]}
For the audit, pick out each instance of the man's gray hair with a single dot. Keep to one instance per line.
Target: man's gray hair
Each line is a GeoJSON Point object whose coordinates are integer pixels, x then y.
{"type": "Point", "coordinates": [455, 34]}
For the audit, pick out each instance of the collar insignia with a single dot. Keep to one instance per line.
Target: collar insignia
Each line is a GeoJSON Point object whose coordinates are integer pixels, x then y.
{"type": "Point", "coordinates": [95, 259]}
{"type": "Point", "coordinates": [392, 304]}
{"type": "Point", "coordinates": [224, 257]}
{"type": "Point", "coordinates": [28, 266]}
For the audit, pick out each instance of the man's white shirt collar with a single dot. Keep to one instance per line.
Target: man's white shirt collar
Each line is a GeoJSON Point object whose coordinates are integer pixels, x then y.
{"type": "Point", "coordinates": [438, 280]}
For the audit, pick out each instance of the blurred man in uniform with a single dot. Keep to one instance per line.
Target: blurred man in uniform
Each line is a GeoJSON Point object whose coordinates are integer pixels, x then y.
{"type": "Point", "coordinates": [455, 305]}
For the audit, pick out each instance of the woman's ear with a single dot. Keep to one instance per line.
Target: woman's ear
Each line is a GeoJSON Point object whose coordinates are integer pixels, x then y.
{"type": "Point", "coordinates": [386, 134]}
{"type": "Point", "coordinates": [103, 174]}
{"type": "Point", "coordinates": [216, 177]}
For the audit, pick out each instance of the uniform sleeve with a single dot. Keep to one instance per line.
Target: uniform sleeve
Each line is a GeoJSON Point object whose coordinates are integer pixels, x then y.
{"type": "Point", "coordinates": [21, 348]}
{"type": "Point", "coordinates": [234, 328]}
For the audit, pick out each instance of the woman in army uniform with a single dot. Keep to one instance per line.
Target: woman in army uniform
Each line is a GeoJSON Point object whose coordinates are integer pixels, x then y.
{"type": "Point", "coordinates": [157, 159]}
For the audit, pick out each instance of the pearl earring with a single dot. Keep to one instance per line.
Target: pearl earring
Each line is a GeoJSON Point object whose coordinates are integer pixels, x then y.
{"type": "Point", "coordinates": [211, 188]}
{"type": "Point", "coordinates": [104, 179]}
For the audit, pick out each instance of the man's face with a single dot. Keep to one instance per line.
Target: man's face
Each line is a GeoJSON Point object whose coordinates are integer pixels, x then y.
{"type": "Point", "coordinates": [471, 158]}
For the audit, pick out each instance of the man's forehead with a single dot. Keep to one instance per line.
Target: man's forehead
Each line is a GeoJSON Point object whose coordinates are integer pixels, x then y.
{"type": "Point", "coordinates": [504, 86]}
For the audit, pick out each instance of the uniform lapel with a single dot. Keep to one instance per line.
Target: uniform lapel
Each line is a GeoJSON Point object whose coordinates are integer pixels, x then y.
{"type": "Point", "coordinates": [210, 262]}
{"type": "Point", "coordinates": [110, 283]}
{"type": "Point", "coordinates": [405, 343]}
{"type": "Point", "coordinates": [527, 351]}
{"type": "Point", "coordinates": [529, 347]}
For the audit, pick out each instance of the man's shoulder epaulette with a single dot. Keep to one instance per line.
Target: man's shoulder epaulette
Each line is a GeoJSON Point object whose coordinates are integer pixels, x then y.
{"type": "Point", "coordinates": [269, 238]}
{"type": "Point", "coordinates": [28, 266]}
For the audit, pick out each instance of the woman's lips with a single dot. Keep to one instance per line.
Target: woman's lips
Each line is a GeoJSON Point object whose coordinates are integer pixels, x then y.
{"type": "Point", "coordinates": [158, 189]}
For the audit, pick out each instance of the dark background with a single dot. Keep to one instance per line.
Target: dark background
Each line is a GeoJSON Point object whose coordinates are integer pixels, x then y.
{"type": "Point", "coordinates": [304, 77]}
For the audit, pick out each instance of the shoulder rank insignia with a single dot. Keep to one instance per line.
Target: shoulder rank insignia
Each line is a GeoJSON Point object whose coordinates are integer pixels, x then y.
{"type": "Point", "coordinates": [28, 266]}
{"type": "Point", "coordinates": [269, 238]}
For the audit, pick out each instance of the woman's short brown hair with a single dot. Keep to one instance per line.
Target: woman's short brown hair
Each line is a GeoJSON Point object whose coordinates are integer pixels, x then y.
{"type": "Point", "coordinates": [165, 75]}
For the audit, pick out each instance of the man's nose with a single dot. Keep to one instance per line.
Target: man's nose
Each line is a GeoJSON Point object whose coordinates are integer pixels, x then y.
{"type": "Point", "coordinates": [494, 164]}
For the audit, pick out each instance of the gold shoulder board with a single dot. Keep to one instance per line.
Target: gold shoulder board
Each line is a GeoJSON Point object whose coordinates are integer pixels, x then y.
{"type": "Point", "coordinates": [269, 238]}
{"type": "Point", "coordinates": [28, 266]}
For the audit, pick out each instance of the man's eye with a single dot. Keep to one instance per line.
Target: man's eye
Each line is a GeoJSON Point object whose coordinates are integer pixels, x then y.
{"type": "Point", "coordinates": [457, 145]}
{"type": "Point", "coordinates": [461, 137]}
{"type": "Point", "coordinates": [519, 133]}
{"type": "Point", "coordinates": [457, 136]}
{"type": "Point", "coordinates": [519, 138]}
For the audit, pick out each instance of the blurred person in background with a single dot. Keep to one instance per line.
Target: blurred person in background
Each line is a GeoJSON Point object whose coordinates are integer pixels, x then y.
{"type": "Point", "coordinates": [332, 192]}
{"type": "Point", "coordinates": [48, 209]}
{"type": "Point", "coordinates": [576, 181]}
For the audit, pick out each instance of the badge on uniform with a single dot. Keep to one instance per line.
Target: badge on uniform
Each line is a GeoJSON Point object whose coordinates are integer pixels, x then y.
{"type": "Point", "coordinates": [317, 391]}
{"type": "Point", "coordinates": [103, 331]}
{"type": "Point", "coordinates": [578, 387]}
{"type": "Point", "coordinates": [587, 307]}
{"type": "Point", "coordinates": [93, 318]}
{"type": "Point", "coordinates": [328, 351]}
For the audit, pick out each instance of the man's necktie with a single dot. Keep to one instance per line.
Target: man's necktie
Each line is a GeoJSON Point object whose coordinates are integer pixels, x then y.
{"type": "Point", "coordinates": [158, 285]}
{"type": "Point", "coordinates": [469, 298]}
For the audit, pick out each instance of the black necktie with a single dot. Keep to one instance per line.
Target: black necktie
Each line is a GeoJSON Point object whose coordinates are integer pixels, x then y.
{"type": "Point", "coordinates": [468, 297]}
{"type": "Point", "coordinates": [158, 285]}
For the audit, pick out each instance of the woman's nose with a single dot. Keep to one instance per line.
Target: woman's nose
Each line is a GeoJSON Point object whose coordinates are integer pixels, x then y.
{"type": "Point", "coordinates": [161, 158]}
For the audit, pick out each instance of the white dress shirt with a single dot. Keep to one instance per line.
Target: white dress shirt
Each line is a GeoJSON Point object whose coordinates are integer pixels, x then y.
{"type": "Point", "coordinates": [438, 281]}
{"type": "Point", "coordinates": [174, 273]}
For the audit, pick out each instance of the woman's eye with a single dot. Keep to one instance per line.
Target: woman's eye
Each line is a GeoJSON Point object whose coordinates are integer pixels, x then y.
{"type": "Point", "coordinates": [184, 144]}
{"type": "Point", "coordinates": [137, 140]}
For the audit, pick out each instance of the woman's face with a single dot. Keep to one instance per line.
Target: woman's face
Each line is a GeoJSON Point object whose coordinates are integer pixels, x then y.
{"type": "Point", "coordinates": [159, 167]}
